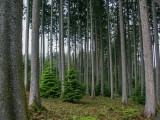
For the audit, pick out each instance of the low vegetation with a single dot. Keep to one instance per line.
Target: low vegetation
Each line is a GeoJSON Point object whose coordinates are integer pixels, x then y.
{"type": "Point", "coordinates": [98, 108]}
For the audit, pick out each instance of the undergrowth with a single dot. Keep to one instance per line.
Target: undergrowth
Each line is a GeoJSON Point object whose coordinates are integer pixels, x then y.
{"type": "Point", "coordinates": [98, 108]}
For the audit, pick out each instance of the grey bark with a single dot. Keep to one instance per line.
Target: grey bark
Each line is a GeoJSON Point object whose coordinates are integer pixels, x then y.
{"type": "Point", "coordinates": [62, 44]}
{"type": "Point", "coordinates": [141, 53]}
{"type": "Point", "coordinates": [51, 37]}
{"type": "Point", "coordinates": [69, 56]}
{"type": "Point", "coordinates": [102, 62]}
{"type": "Point", "coordinates": [97, 60]}
{"type": "Point", "coordinates": [34, 97]}
{"type": "Point", "coordinates": [87, 51]}
{"type": "Point", "coordinates": [92, 48]}
{"type": "Point", "coordinates": [13, 103]}
{"type": "Point", "coordinates": [110, 56]}
{"type": "Point", "coordinates": [148, 60]}
{"type": "Point", "coordinates": [129, 54]}
{"type": "Point", "coordinates": [123, 56]}
{"type": "Point", "coordinates": [26, 80]}
{"type": "Point", "coordinates": [156, 39]}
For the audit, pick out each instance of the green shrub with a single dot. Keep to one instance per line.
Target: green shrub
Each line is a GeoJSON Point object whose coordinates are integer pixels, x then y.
{"type": "Point", "coordinates": [107, 91]}
{"type": "Point", "coordinates": [137, 97]}
{"type": "Point", "coordinates": [50, 86]}
{"type": "Point", "coordinates": [73, 90]}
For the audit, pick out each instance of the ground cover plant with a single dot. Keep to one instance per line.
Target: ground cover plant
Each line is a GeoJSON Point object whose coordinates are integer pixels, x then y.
{"type": "Point", "coordinates": [98, 108]}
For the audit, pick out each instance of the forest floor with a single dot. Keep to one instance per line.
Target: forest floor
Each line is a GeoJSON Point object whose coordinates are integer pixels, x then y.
{"type": "Point", "coordinates": [98, 108]}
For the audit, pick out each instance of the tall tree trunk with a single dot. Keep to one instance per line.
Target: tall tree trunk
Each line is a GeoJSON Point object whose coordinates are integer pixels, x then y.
{"type": "Point", "coordinates": [69, 56]}
{"type": "Point", "coordinates": [141, 54]}
{"type": "Point", "coordinates": [92, 48]}
{"type": "Point", "coordinates": [123, 56]}
{"type": "Point", "coordinates": [157, 53]}
{"type": "Point", "coordinates": [102, 61]}
{"type": "Point", "coordinates": [12, 94]}
{"type": "Point", "coordinates": [129, 54]}
{"type": "Point", "coordinates": [110, 56]}
{"type": "Point", "coordinates": [148, 60]}
{"type": "Point", "coordinates": [51, 37]}
{"type": "Point", "coordinates": [96, 46]}
{"type": "Point", "coordinates": [26, 80]}
{"type": "Point", "coordinates": [62, 44]}
{"type": "Point", "coordinates": [43, 36]}
{"type": "Point", "coordinates": [34, 98]}
{"type": "Point", "coordinates": [87, 51]}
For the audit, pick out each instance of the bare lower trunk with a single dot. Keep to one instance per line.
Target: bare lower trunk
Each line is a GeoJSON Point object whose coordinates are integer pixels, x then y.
{"type": "Point", "coordinates": [123, 56]}
{"type": "Point", "coordinates": [62, 45]}
{"type": "Point", "coordinates": [12, 93]}
{"type": "Point", "coordinates": [148, 60]}
{"type": "Point", "coordinates": [34, 98]}
{"type": "Point", "coordinates": [26, 81]}
{"type": "Point", "coordinates": [157, 53]}
{"type": "Point", "coordinates": [92, 42]}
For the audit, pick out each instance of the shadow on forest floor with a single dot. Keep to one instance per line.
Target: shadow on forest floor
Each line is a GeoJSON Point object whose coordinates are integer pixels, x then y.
{"type": "Point", "coordinates": [99, 108]}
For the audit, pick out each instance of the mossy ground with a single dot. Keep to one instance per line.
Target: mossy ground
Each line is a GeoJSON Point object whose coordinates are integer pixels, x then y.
{"type": "Point", "coordinates": [98, 108]}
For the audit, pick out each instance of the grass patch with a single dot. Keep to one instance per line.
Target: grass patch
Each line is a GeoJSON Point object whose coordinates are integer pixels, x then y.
{"type": "Point", "coordinates": [99, 108]}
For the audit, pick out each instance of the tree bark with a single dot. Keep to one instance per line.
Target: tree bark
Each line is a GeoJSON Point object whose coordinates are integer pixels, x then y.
{"type": "Point", "coordinates": [92, 48]}
{"type": "Point", "coordinates": [51, 37]}
{"type": "Point", "coordinates": [26, 81]}
{"type": "Point", "coordinates": [148, 60]}
{"type": "Point", "coordinates": [123, 56]}
{"type": "Point", "coordinates": [69, 56]}
{"type": "Point", "coordinates": [34, 98]}
{"type": "Point", "coordinates": [13, 103]}
{"type": "Point", "coordinates": [87, 51]}
{"type": "Point", "coordinates": [102, 62]}
{"type": "Point", "coordinates": [155, 27]}
{"type": "Point", "coordinates": [62, 45]}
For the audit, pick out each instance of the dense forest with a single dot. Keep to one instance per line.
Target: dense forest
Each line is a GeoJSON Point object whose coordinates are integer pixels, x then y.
{"type": "Point", "coordinates": [88, 59]}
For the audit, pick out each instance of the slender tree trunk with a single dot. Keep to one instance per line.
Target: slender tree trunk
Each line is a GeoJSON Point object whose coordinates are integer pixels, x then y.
{"type": "Point", "coordinates": [92, 48]}
{"type": "Point", "coordinates": [69, 60]}
{"type": "Point", "coordinates": [62, 44]}
{"type": "Point", "coordinates": [110, 57]}
{"type": "Point", "coordinates": [12, 93]}
{"type": "Point", "coordinates": [43, 36]}
{"type": "Point", "coordinates": [102, 62]}
{"type": "Point", "coordinates": [87, 51]}
{"type": "Point", "coordinates": [48, 44]}
{"type": "Point", "coordinates": [148, 60]}
{"type": "Point", "coordinates": [96, 46]}
{"type": "Point", "coordinates": [157, 53]}
{"type": "Point", "coordinates": [129, 54]}
{"type": "Point", "coordinates": [51, 37]}
{"type": "Point", "coordinates": [26, 80]}
{"type": "Point", "coordinates": [135, 48]}
{"type": "Point", "coordinates": [141, 54]}
{"type": "Point", "coordinates": [34, 98]}
{"type": "Point", "coordinates": [123, 56]}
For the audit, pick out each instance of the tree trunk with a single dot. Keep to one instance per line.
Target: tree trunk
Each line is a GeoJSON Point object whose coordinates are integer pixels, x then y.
{"type": "Point", "coordinates": [87, 51]}
{"type": "Point", "coordinates": [156, 53]}
{"type": "Point", "coordinates": [92, 48]}
{"type": "Point", "coordinates": [62, 44]}
{"type": "Point", "coordinates": [123, 56]}
{"type": "Point", "coordinates": [51, 37]}
{"type": "Point", "coordinates": [148, 60]}
{"type": "Point", "coordinates": [110, 56]}
{"type": "Point", "coordinates": [26, 81]}
{"type": "Point", "coordinates": [69, 60]}
{"type": "Point", "coordinates": [102, 62]}
{"type": "Point", "coordinates": [34, 98]}
{"type": "Point", "coordinates": [12, 94]}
